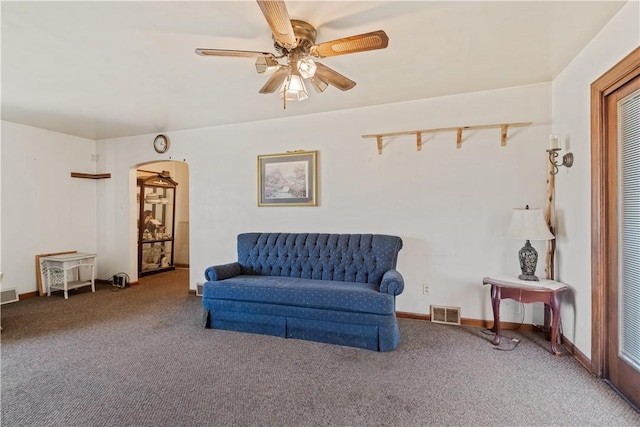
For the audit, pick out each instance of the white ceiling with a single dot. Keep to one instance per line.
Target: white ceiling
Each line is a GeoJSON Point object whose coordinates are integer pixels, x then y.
{"type": "Point", "coordinates": [111, 69]}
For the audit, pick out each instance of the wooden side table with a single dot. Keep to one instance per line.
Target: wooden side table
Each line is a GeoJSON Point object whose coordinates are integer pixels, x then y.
{"type": "Point", "coordinates": [545, 291]}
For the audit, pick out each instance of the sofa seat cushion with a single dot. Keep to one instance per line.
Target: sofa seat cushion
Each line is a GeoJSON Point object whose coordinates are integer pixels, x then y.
{"type": "Point", "coordinates": [323, 294]}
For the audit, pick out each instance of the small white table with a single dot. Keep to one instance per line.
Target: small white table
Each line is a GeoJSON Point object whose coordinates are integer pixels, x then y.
{"type": "Point", "coordinates": [58, 266]}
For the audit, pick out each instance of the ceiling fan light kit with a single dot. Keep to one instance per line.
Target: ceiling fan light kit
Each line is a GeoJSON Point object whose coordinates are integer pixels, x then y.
{"type": "Point", "coordinates": [295, 40]}
{"type": "Point", "coordinates": [293, 89]}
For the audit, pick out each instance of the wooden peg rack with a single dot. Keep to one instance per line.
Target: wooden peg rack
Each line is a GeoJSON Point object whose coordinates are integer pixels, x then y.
{"type": "Point", "coordinates": [459, 129]}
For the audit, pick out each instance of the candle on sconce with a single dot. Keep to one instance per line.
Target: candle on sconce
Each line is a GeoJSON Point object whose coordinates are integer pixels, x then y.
{"type": "Point", "coordinates": [554, 142]}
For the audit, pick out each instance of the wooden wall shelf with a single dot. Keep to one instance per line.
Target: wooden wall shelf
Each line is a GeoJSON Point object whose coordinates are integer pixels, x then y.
{"type": "Point", "coordinates": [90, 175]}
{"type": "Point", "coordinates": [459, 129]}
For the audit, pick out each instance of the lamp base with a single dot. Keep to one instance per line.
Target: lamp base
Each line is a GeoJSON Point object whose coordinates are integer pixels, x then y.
{"type": "Point", "coordinates": [528, 260]}
{"type": "Point", "coordinates": [528, 277]}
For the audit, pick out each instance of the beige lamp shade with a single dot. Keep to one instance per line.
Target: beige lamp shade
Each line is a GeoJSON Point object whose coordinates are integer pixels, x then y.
{"type": "Point", "coordinates": [528, 224]}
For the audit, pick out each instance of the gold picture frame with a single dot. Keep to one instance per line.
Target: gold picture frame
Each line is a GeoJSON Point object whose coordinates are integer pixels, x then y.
{"type": "Point", "coordinates": [288, 179]}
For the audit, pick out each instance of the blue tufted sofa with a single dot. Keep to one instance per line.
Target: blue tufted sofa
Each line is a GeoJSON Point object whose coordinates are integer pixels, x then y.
{"type": "Point", "coordinates": [333, 288]}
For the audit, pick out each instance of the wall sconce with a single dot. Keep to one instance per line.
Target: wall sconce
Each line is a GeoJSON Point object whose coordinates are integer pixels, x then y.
{"type": "Point", "coordinates": [567, 159]}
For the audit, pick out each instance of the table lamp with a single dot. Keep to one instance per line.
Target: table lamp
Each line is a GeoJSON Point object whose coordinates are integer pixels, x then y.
{"type": "Point", "coordinates": [528, 224]}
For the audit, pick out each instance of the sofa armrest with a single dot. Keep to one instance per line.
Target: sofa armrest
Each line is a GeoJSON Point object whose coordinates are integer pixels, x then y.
{"type": "Point", "coordinates": [221, 272]}
{"type": "Point", "coordinates": [392, 283]}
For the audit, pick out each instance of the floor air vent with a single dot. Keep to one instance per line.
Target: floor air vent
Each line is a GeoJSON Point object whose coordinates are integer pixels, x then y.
{"type": "Point", "coordinates": [446, 315]}
{"type": "Point", "coordinates": [199, 287]}
{"type": "Point", "coordinates": [8, 295]}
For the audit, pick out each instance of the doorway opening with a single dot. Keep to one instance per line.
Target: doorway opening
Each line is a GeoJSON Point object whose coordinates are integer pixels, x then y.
{"type": "Point", "coordinates": [160, 217]}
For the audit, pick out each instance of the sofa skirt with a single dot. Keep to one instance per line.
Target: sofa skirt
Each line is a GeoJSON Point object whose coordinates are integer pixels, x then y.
{"type": "Point", "coordinates": [362, 330]}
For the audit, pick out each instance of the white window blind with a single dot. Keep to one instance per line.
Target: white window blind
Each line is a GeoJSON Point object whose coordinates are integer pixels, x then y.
{"type": "Point", "coordinates": [629, 286]}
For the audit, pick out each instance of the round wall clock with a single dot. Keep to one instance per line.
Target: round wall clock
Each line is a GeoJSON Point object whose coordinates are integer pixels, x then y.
{"type": "Point", "coordinates": [161, 144]}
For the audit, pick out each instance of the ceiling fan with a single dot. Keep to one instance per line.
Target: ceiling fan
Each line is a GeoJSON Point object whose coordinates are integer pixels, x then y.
{"type": "Point", "coordinates": [295, 40]}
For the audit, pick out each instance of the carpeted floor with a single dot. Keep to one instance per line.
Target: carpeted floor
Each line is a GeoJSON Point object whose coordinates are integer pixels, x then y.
{"type": "Point", "coordinates": [140, 357]}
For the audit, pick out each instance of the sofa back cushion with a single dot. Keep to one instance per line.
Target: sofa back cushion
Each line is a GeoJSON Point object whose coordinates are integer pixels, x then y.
{"type": "Point", "coordinates": [362, 258]}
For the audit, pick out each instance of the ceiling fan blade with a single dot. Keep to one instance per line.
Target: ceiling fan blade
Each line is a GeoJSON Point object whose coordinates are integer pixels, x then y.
{"type": "Point", "coordinates": [333, 77]}
{"type": "Point", "coordinates": [275, 81]}
{"type": "Point", "coordinates": [237, 53]}
{"type": "Point", "coordinates": [277, 17]}
{"type": "Point", "coordinates": [360, 43]}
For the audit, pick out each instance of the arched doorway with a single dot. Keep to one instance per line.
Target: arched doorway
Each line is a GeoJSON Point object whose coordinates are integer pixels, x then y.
{"type": "Point", "coordinates": [162, 220]}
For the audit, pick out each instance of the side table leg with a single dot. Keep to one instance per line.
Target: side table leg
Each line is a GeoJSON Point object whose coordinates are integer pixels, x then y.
{"type": "Point", "coordinates": [555, 323]}
{"type": "Point", "coordinates": [66, 291]}
{"type": "Point", "coordinates": [93, 279]}
{"type": "Point", "coordinates": [48, 280]}
{"type": "Point", "coordinates": [546, 329]}
{"type": "Point", "coordinates": [495, 304]}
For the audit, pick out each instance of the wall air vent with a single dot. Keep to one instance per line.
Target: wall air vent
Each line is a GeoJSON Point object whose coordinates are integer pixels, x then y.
{"type": "Point", "coordinates": [446, 315]}
{"type": "Point", "coordinates": [8, 295]}
{"type": "Point", "coordinates": [199, 288]}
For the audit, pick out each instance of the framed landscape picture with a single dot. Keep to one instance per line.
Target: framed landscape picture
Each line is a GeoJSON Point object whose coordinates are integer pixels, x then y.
{"type": "Point", "coordinates": [288, 179]}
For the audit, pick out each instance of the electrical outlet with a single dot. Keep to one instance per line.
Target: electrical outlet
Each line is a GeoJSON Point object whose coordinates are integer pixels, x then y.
{"type": "Point", "coordinates": [425, 289]}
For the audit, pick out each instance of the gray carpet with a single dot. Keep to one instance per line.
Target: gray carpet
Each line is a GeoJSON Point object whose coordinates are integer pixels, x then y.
{"type": "Point", "coordinates": [140, 357]}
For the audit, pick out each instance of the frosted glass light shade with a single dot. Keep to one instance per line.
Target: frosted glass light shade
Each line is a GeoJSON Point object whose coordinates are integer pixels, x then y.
{"type": "Point", "coordinates": [266, 64]}
{"type": "Point", "coordinates": [307, 68]}
{"type": "Point", "coordinates": [528, 224]}
{"type": "Point", "coordinates": [293, 88]}
{"type": "Point", "coordinates": [319, 83]}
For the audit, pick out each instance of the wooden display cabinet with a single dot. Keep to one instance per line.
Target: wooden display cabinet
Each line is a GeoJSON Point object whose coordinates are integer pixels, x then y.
{"type": "Point", "coordinates": [156, 198]}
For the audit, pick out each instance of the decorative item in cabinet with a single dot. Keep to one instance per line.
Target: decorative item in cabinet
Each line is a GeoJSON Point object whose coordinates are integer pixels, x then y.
{"type": "Point", "coordinates": [156, 199]}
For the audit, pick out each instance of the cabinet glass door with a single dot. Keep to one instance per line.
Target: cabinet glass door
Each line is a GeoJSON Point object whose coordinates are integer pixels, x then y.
{"type": "Point", "coordinates": [157, 215]}
{"type": "Point", "coordinates": [156, 228]}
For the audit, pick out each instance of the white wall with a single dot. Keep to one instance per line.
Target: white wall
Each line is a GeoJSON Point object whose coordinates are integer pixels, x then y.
{"type": "Point", "coordinates": [1, 200]}
{"type": "Point", "coordinates": [450, 206]}
{"type": "Point", "coordinates": [571, 114]}
{"type": "Point", "coordinates": [181, 252]}
{"type": "Point", "coordinates": [44, 210]}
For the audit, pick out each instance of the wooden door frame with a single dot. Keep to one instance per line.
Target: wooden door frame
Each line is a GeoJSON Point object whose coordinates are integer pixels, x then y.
{"type": "Point", "coordinates": [603, 265]}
